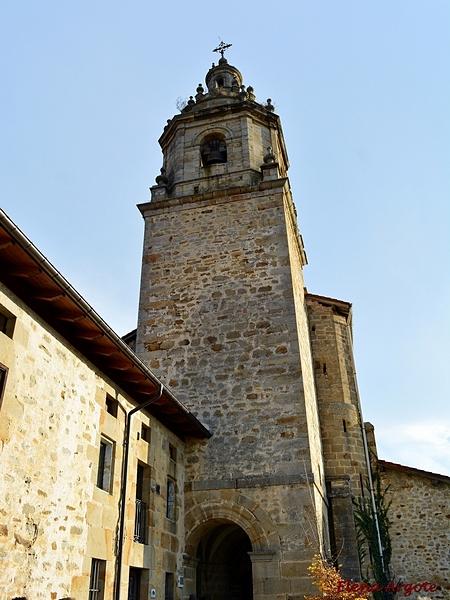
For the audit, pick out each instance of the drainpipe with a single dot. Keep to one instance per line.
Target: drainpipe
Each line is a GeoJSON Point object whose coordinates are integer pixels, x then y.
{"type": "Point", "coordinates": [123, 494]}
{"type": "Point", "coordinates": [366, 451]}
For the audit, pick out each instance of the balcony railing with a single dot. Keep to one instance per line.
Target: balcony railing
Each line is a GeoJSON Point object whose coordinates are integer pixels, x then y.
{"type": "Point", "coordinates": [140, 524]}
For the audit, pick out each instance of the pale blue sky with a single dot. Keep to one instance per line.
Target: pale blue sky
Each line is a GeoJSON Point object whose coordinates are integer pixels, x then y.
{"type": "Point", "coordinates": [362, 88]}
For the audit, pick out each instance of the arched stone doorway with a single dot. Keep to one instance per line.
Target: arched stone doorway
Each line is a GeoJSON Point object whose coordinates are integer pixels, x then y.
{"type": "Point", "coordinates": [238, 529]}
{"type": "Point", "coordinates": [224, 568]}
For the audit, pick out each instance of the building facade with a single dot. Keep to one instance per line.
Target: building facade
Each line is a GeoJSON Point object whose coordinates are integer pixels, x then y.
{"type": "Point", "coordinates": [67, 385]}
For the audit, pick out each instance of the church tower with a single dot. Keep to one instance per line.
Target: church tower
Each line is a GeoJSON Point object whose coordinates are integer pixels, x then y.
{"type": "Point", "coordinates": [223, 319]}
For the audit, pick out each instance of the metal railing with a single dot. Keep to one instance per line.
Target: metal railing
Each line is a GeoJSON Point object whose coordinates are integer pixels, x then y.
{"type": "Point", "coordinates": [140, 524]}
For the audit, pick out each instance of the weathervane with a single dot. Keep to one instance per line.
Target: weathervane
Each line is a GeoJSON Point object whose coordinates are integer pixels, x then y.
{"type": "Point", "coordinates": [222, 47]}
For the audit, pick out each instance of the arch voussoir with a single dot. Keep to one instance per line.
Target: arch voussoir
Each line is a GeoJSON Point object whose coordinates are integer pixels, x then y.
{"type": "Point", "coordinates": [237, 509]}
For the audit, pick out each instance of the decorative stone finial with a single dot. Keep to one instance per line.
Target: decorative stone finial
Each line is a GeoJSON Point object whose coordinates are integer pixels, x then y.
{"type": "Point", "coordinates": [162, 178]}
{"type": "Point", "coordinates": [242, 93]}
{"type": "Point", "coordinates": [270, 156]}
{"type": "Point", "coordinates": [269, 105]}
{"type": "Point", "coordinates": [270, 167]}
{"type": "Point", "coordinates": [251, 94]}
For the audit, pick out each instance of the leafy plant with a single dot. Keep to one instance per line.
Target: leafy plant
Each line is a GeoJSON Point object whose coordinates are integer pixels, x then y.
{"type": "Point", "coordinates": [328, 580]}
{"type": "Point", "coordinates": [367, 536]}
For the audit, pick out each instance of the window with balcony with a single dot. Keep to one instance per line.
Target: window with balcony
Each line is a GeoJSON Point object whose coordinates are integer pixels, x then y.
{"type": "Point", "coordinates": [142, 501]}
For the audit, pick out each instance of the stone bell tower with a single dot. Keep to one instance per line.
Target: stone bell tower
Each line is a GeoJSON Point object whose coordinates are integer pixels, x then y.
{"type": "Point", "coordinates": [223, 319]}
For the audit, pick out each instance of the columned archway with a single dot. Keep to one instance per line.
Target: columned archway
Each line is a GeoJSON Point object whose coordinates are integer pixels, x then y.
{"type": "Point", "coordinates": [232, 549]}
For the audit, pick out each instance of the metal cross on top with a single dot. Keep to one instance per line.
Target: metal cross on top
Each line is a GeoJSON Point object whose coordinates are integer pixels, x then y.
{"type": "Point", "coordinates": [222, 47]}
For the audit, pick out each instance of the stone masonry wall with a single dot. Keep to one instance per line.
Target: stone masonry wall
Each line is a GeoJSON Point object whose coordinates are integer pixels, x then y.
{"type": "Point", "coordinates": [53, 517]}
{"type": "Point", "coordinates": [343, 447]}
{"type": "Point", "coordinates": [297, 259]}
{"type": "Point", "coordinates": [217, 319]}
{"type": "Point", "coordinates": [219, 311]}
{"type": "Point", "coordinates": [278, 519]}
{"type": "Point", "coordinates": [339, 419]}
{"type": "Point", "coordinates": [420, 530]}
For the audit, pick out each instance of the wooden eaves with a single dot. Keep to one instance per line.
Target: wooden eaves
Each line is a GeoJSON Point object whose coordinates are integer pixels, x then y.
{"type": "Point", "coordinates": [29, 275]}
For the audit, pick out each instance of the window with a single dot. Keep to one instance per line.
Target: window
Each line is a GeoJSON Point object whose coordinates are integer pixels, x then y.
{"type": "Point", "coordinates": [97, 581]}
{"type": "Point", "coordinates": [145, 433]}
{"type": "Point", "coordinates": [3, 374]}
{"type": "Point", "coordinates": [105, 465]}
{"type": "Point", "coordinates": [138, 584]}
{"type": "Point", "coordinates": [172, 453]}
{"type": "Point", "coordinates": [134, 584]}
{"type": "Point", "coordinates": [7, 322]}
{"type": "Point", "coordinates": [111, 406]}
{"type": "Point", "coordinates": [170, 509]}
{"type": "Point", "coordinates": [3, 322]}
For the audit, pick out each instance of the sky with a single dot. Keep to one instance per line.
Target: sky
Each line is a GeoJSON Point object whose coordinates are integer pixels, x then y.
{"type": "Point", "coordinates": [363, 92]}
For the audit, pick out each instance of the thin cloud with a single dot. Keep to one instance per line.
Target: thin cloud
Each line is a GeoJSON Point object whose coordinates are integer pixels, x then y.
{"type": "Point", "coordinates": [423, 445]}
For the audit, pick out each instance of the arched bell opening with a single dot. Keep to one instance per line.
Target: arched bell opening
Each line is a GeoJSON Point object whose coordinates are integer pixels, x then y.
{"type": "Point", "coordinates": [224, 569]}
{"type": "Point", "coordinates": [213, 150]}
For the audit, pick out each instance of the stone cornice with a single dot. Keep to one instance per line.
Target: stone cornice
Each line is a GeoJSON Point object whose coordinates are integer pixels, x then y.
{"type": "Point", "coordinates": [213, 197]}
{"type": "Point", "coordinates": [251, 481]}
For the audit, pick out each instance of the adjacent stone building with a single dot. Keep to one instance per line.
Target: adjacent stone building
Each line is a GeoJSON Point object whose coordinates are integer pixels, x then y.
{"type": "Point", "coordinates": [112, 486]}
{"type": "Point", "coordinates": [420, 531]}
{"type": "Point", "coordinates": [67, 384]}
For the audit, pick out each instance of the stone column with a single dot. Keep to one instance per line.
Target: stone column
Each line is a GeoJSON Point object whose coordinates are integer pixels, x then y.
{"type": "Point", "coordinates": [343, 524]}
{"type": "Point", "coordinates": [266, 575]}
{"type": "Point", "coordinates": [190, 564]}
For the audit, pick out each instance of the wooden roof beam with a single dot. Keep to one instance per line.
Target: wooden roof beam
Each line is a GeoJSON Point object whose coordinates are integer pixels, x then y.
{"type": "Point", "coordinates": [5, 245]}
{"type": "Point", "coordinates": [49, 296]}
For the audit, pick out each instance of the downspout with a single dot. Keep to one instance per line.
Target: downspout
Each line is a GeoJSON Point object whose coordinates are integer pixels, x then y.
{"type": "Point", "coordinates": [123, 494]}
{"type": "Point", "coordinates": [366, 451]}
